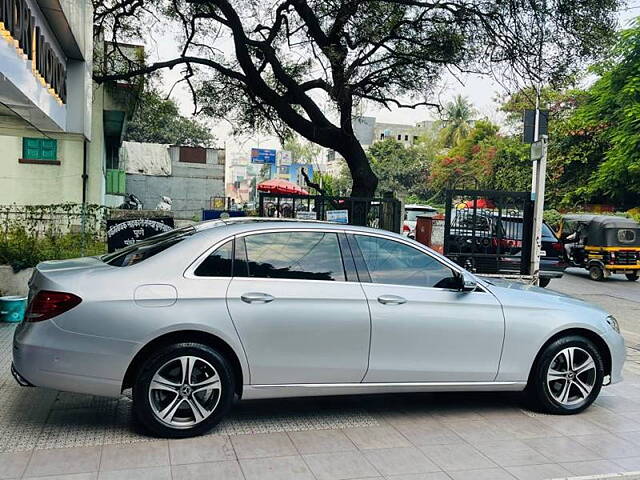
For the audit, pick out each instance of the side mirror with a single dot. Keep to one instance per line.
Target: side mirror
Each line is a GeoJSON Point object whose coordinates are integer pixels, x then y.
{"type": "Point", "coordinates": [464, 284]}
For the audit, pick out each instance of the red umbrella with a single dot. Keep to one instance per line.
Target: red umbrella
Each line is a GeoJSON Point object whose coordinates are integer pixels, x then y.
{"type": "Point", "coordinates": [481, 203]}
{"type": "Point", "coordinates": [279, 185]}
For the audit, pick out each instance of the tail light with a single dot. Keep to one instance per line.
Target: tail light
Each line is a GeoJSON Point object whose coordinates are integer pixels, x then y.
{"type": "Point", "coordinates": [406, 228]}
{"type": "Point", "coordinates": [47, 304]}
{"type": "Point", "coordinates": [557, 246]}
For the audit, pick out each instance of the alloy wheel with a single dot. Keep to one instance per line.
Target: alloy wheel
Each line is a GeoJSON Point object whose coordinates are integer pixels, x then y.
{"type": "Point", "coordinates": [184, 391]}
{"type": "Point", "coordinates": [571, 376]}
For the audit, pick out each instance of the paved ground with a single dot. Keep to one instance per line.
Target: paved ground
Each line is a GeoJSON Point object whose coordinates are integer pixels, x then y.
{"type": "Point", "coordinates": [401, 437]}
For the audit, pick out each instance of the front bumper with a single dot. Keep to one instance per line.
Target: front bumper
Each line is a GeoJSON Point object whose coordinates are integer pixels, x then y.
{"type": "Point", "coordinates": [615, 342]}
{"type": "Point", "coordinates": [23, 382]}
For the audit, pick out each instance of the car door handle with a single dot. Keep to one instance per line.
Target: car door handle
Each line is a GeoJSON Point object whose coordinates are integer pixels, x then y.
{"type": "Point", "coordinates": [256, 297]}
{"type": "Point", "coordinates": [391, 300]}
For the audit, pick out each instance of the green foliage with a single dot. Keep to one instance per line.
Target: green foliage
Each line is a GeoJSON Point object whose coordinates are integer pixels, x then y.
{"type": "Point", "coordinates": [403, 170]}
{"type": "Point", "coordinates": [456, 121]}
{"type": "Point", "coordinates": [333, 186]}
{"type": "Point", "coordinates": [552, 217]}
{"type": "Point", "coordinates": [35, 233]}
{"type": "Point", "coordinates": [158, 120]}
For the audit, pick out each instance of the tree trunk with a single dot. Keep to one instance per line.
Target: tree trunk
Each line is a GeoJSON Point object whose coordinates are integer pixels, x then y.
{"type": "Point", "coordinates": [365, 181]}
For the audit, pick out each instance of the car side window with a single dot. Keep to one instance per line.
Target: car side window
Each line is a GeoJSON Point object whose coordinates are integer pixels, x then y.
{"type": "Point", "coordinates": [395, 263]}
{"type": "Point", "coordinates": [295, 255]}
{"type": "Point", "coordinates": [218, 264]}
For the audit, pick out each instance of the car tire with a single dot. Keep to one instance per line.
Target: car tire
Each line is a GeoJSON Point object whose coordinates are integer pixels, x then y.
{"type": "Point", "coordinates": [554, 388]}
{"type": "Point", "coordinates": [543, 282]}
{"type": "Point", "coordinates": [596, 273]}
{"type": "Point", "coordinates": [632, 277]}
{"type": "Point", "coordinates": [169, 403]}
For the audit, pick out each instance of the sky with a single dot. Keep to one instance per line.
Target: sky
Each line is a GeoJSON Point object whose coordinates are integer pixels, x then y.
{"type": "Point", "coordinates": [481, 90]}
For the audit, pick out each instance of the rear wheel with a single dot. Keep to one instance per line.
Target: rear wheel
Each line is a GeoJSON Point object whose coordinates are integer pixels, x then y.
{"type": "Point", "coordinates": [567, 377]}
{"type": "Point", "coordinates": [183, 390]}
{"type": "Point", "coordinates": [632, 277]}
{"type": "Point", "coordinates": [596, 273]}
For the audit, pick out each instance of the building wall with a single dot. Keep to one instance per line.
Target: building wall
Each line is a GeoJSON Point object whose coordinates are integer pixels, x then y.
{"type": "Point", "coordinates": [28, 184]}
{"type": "Point", "coordinates": [190, 185]}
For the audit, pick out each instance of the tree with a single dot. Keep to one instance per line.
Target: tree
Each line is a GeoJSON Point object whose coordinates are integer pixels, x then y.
{"type": "Point", "coordinates": [302, 150]}
{"type": "Point", "coordinates": [401, 169]}
{"type": "Point", "coordinates": [306, 65]}
{"type": "Point", "coordinates": [158, 120]}
{"type": "Point", "coordinates": [456, 120]}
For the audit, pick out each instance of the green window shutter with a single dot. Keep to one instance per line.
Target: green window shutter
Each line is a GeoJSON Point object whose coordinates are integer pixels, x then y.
{"type": "Point", "coordinates": [40, 149]}
{"type": "Point", "coordinates": [122, 181]}
{"type": "Point", "coordinates": [49, 149]}
{"type": "Point", "coordinates": [31, 148]}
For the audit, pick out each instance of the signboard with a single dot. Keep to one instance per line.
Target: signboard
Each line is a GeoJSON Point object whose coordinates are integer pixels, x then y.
{"type": "Point", "coordinates": [18, 26]}
{"type": "Point", "coordinates": [285, 157]}
{"type": "Point", "coordinates": [536, 151]}
{"type": "Point", "coordinates": [302, 215]}
{"type": "Point", "coordinates": [529, 119]}
{"type": "Point", "coordinates": [122, 233]}
{"type": "Point", "coordinates": [338, 216]}
{"type": "Point", "coordinates": [263, 155]}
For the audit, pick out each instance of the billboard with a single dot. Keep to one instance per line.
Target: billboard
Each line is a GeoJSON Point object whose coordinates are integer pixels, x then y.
{"type": "Point", "coordinates": [263, 155]}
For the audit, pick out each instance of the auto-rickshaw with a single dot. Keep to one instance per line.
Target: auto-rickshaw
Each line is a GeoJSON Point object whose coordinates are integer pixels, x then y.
{"type": "Point", "coordinates": [602, 244]}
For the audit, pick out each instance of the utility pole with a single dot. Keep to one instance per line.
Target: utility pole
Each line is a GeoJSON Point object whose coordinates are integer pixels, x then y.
{"type": "Point", "coordinates": [538, 180]}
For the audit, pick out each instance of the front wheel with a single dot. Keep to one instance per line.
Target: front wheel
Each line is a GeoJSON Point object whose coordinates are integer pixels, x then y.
{"type": "Point", "coordinates": [596, 273]}
{"type": "Point", "coordinates": [567, 377]}
{"type": "Point", "coordinates": [632, 277]}
{"type": "Point", "coordinates": [183, 390]}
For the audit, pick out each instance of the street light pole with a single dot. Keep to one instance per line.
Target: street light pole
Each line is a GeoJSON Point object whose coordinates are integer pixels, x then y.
{"type": "Point", "coordinates": [538, 180]}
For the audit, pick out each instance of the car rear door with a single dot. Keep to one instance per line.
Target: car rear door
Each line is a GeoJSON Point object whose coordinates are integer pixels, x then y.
{"type": "Point", "coordinates": [300, 317]}
{"type": "Point", "coordinates": [423, 330]}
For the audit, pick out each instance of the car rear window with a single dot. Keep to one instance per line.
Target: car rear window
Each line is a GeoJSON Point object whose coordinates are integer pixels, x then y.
{"type": "Point", "coordinates": [148, 248]}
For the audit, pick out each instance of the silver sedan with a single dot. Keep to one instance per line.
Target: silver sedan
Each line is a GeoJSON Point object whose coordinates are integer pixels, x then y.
{"type": "Point", "coordinates": [253, 308]}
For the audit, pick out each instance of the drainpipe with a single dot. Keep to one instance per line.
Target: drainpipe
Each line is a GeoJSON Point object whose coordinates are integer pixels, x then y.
{"type": "Point", "coordinates": [85, 177]}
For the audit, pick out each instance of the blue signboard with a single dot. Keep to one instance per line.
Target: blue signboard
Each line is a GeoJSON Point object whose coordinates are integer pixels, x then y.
{"type": "Point", "coordinates": [263, 155]}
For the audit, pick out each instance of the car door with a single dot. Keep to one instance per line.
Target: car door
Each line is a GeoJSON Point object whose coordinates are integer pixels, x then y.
{"type": "Point", "coordinates": [422, 329]}
{"type": "Point", "coordinates": [300, 319]}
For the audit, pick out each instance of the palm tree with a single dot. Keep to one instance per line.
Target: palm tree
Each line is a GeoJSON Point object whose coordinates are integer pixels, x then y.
{"type": "Point", "coordinates": [457, 119]}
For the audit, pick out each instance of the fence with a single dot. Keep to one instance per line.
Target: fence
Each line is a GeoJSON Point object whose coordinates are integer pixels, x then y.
{"type": "Point", "coordinates": [381, 213]}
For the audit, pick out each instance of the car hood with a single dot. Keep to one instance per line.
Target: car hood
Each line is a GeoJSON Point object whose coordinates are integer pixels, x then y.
{"type": "Point", "coordinates": [505, 290]}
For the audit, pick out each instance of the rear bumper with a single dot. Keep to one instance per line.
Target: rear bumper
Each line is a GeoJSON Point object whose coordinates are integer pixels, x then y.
{"type": "Point", "coordinates": [19, 378]}
{"type": "Point", "coordinates": [44, 355]}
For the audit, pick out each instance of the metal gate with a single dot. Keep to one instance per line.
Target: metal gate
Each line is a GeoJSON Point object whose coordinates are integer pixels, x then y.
{"type": "Point", "coordinates": [382, 212]}
{"type": "Point", "coordinates": [488, 231]}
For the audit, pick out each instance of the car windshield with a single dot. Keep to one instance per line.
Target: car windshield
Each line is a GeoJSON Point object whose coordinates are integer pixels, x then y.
{"type": "Point", "coordinates": [412, 215]}
{"type": "Point", "coordinates": [140, 251]}
{"type": "Point", "coordinates": [512, 228]}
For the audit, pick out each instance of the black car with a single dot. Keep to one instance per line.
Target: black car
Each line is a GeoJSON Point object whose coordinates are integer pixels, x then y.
{"type": "Point", "coordinates": [488, 243]}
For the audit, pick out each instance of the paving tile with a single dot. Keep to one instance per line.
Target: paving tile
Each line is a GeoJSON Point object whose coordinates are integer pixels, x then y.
{"type": "Point", "coordinates": [630, 464]}
{"type": "Point", "coordinates": [276, 468]}
{"type": "Point", "coordinates": [523, 428]}
{"type": "Point", "coordinates": [71, 476]}
{"type": "Point", "coordinates": [61, 461]}
{"type": "Point", "coordinates": [400, 461]}
{"type": "Point", "coordinates": [420, 476]}
{"type": "Point", "coordinates": [427, 433]}
{"type": "Point", "coordinates": [263, 445]}
{"type": "Point", "coordinates": [12, 465]}
{"type": "Point", "coordinates": [457, 457]}
{"type": "Point", "coordinates": [136, 455]}
{"type": "Point", "coordinates": [376, 437]}
{"type": "Point", "coordinates": [225, 470]}
{"type": "Point", "coordinates": [211, 448]}
{"type": "Point", "coordinates": [149, 473]}
{"type": "Point", "coordinates": [562, 449]}
{"type": "Point", "coordinates": [615, 423]}
{"type": "Point", "coordinates": [592, 467]}
{"type": "Point", "coordinates": [571, 424]}
{"type": "Point", "coordinates": [632, 437]}
{"type": "Point", "coordinates": [538, 472]}
{"type": "Point", "coordinates": [485, 474]}
{"type": "Point", "coordinates": [339, 466]}
{"type": "Point", "coordinates": [618, 404]}
{"type": "Point", "coordinates": [321, 441]}
{"type": "Point", "coordinates": [608, 446]}
{"type": "Point", "coordinates": [475, 431]}
{"type": "Point", "coordinates": [511, 453]}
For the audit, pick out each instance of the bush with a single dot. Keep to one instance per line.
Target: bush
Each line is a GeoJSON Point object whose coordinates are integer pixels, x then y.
{"type": "Point", "coordinates": [20, 249]}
